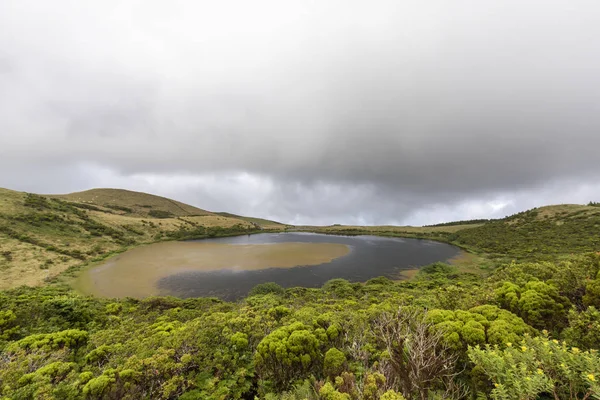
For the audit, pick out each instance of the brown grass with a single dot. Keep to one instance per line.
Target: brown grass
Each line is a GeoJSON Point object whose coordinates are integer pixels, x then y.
{"type": "Point", "coordinates": [140, 203]}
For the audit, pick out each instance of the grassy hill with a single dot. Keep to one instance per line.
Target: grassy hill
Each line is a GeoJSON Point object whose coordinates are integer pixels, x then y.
{"type": "Point", "coordinates": [133, 203]}
{"type": "Point", "coordinates": [540, 233]}
{"type": "Point", "coordinates": [263, 223]}
{"type": "Point", "coordinates": [42, 236]}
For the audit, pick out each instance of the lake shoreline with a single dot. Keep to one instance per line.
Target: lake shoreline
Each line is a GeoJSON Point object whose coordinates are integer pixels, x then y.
{"type": "Point", "coordinates": [186, 268]}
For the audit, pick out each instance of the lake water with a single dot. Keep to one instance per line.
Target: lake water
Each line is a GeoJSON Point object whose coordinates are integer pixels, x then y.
{"type": "Point", "coordinates": [369, 257]}
{"type": "Point", "coordinates": [229, 267]}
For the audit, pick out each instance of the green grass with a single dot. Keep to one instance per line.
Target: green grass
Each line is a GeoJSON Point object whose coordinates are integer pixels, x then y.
{"type": "Point", "coordinates": [541, 233]}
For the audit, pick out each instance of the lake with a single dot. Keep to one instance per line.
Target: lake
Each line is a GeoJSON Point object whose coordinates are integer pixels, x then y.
{"type": "Point", "coordinates": [229, 267]}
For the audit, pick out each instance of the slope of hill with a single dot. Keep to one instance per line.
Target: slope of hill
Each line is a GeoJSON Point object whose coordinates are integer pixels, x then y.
{"type": "Point", "coordinates": [543, 232]}
{"type": "Point", "coordinates": [41, 236]}
{"type": "Point", "coordinates": [133, 203]}
{"type": "Point", "coordinates": [263, 223]}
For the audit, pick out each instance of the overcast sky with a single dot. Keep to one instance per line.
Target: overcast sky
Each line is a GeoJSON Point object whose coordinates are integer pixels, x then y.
{"type": "Point", "coordinates": [309, 112]}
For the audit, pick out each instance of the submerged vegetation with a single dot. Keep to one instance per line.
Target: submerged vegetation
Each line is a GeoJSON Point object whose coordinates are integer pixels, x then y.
{"type": "Point", "coordinates": [527, 326]}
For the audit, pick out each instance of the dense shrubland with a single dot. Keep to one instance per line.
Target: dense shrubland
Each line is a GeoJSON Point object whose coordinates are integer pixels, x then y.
{"type": "Point", "coordinates": [529, 331]}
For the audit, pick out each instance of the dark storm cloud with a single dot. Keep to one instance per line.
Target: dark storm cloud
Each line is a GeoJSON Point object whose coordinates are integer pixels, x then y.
{"type": "Point", "coordinates": [365, 112]}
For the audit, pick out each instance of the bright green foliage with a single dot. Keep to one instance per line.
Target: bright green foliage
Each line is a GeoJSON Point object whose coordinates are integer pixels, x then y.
{"type": "Point", "coordinates": [592, 293]}
{"type": "Point", "coordinates": [345, 387]}
{"type": "Point", "coordinates": [391, 395]}
{"type": "Point", "coordinates": [479, 325]}
{"type": "Point", "coordinates": [47, 382]}
{"type": "Point", "coordinates": [288, 353]}
{"type": "Point", "coordinates": [239, 340]}
{"type": "Point", "coordinates": [72, 338]}
{"type": "Point", "coordinates": [328, 392]}
{"type": "Point", "coordinates": [584, 329]}
{"type": "Point", "coordinates": [8, 324]}
{"type": "Point", "coordinates": [373, 386]}
{"type": "Point", "coordinates": [266, 288]}
{"type": "Point", "coordinates": [340, 288]}
{"type": "Point", "coordinates": [438, 268]}
{"type": "Point", "coordinates": [538, 303]}
{"type": "Point", "coordinates": [114, 308]}
{"type": "Point", "coordinates": [536, 366]}
{"type": "Point", "coordinates": [279, 312]}
{"type": "Point", "coordinates": [334, 362]}
{"type": "Point", "coordinates": [100, 386]}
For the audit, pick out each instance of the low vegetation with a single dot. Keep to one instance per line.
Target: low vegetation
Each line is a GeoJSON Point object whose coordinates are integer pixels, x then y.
{"type": "Point", "coordinates": [527, 328]}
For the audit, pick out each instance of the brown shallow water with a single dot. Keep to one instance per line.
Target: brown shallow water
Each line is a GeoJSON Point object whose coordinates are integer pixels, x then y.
{"type": "Point", "coordinates": [136, 272]}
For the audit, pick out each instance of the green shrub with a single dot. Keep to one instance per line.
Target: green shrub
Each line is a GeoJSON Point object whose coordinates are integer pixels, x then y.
{"type": "Point", "coordinates": [266, 288]}
{"type": "Point", "coordinates": [538, 366]}
{"type": "Point", "coordinates": [334, 363]}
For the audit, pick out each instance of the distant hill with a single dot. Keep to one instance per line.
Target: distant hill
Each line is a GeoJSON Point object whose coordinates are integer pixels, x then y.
{"type": "Point", "coordinates": [263, 223]}
{"type": "Point", "coordinates": [134, 203]}
{"type": "Point", "coordinates": [544, 232]}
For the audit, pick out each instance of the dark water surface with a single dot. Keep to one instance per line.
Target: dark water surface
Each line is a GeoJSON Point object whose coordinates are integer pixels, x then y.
{"type": "Point", "coordinates": [370, 256]}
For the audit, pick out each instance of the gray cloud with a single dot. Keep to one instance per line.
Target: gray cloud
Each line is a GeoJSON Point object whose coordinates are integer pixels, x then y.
{"type": "Point", "coordinates": [379, 112]}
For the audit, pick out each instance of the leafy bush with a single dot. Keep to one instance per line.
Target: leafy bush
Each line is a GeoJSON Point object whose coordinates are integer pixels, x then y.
{"type": "Point", "coordinates": [539, 366]}
{"type": "Point", "coordinates": [266, 288]}
{"type": "Point", "coordinates": [287, 354]}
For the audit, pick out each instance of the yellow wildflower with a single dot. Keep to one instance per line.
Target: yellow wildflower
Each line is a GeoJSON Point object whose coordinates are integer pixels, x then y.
{"type": "Point", "coordinates": [540, 372]}
{"type": "Point", "coordinates": [575, 350]}
{"type": "Point", "coordinates": [524, 348]}
{"type": "Point", "coordinates": [509, 344]}
{"type": "Point", "coordinates": [592, 378]}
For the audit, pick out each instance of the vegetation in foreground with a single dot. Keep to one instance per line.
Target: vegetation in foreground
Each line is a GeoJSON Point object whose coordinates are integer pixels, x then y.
{"type": "Point", "coordinates": [530, 329]}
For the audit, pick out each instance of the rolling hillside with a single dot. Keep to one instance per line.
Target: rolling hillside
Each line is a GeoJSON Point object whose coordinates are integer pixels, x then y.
{"type": "Point", "coordinates": [42, 236]}
{"type": "Point", "coordinates": [263, 223]}
{"type": "Point", "coordinates": [133, 203]}
{"type": "Point", "coordinates": [542, 232]}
